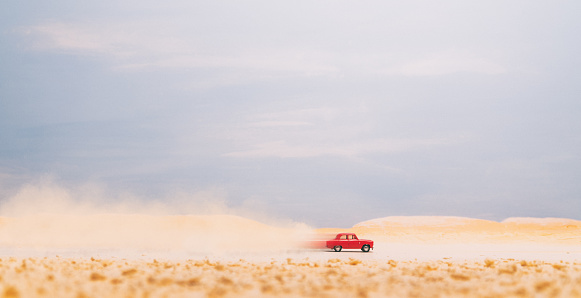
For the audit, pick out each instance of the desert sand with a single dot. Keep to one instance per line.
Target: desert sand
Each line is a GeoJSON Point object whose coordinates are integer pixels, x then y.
{"type": "Point", "coordinates": [118, 255]}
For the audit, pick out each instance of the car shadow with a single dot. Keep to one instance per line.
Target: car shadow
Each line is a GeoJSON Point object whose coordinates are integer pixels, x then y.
{"type": "Point", "coordinates": [348, 251]}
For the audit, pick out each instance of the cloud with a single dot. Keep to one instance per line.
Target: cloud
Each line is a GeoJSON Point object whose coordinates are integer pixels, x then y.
{"type": "Point", "coordinates": [448, 63]}
{"type": "Point", "coordinates": [348, 149]}
{"type": "Point", "coordinates": [433, 67]}
{"type": "Point", "coordinates": [76, 39]}
{"type": "Point", "coordinates": [135, 46]}
{"type": "Point", "coordinates": [138, 45]}
{"type": "Point", "coordinates": [279, 123]}
{"type": "Point", "coordinates": [344, 130]}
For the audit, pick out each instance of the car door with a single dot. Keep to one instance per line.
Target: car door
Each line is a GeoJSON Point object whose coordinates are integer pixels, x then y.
{"type": "Point", "coordinates": [356, 242]}
{"type": "Point", "coordinates": [352, 242]}
{"type": "Point", "coordinates": [342, 241]}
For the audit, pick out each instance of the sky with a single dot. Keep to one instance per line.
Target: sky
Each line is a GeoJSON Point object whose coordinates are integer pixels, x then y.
{"type": "Point", "coordinates": [324, 112]}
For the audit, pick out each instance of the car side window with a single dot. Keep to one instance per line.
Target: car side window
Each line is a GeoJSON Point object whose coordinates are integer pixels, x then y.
{"type": "Point", "coordinates": [343, 237]}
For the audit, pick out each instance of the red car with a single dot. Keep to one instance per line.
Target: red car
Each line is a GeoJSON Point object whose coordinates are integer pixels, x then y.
{"type": "Point", "coordinates": [349, 241]}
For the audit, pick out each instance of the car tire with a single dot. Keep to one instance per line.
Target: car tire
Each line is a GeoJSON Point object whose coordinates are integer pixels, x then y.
{"type": "Point", "coordinates": [365, 248]}
{"type": "Point", "coordinates": [338, 248]}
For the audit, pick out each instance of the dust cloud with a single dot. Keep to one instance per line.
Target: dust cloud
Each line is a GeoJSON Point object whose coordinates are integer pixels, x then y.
{"type": "Point", "coordinates": [48, 217]}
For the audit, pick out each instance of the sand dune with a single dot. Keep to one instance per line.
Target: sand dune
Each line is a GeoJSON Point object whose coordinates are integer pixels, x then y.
{"type": "Point", "coordinates": [435, 229]}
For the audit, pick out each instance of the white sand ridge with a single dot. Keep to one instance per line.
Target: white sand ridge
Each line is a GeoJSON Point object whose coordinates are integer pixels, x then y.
{"type": "Point", "coordinates": [462, 229]}
{"type": "Point", "coordinates": [547, 221]}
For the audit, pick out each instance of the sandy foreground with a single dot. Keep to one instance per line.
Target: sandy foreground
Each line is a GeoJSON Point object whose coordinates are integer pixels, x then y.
{"type": "Point", "coordinates": [216, 256]}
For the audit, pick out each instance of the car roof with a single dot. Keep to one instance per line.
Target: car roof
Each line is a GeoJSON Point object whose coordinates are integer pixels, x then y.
{"type": "Point", "coordinates": [346, 234]}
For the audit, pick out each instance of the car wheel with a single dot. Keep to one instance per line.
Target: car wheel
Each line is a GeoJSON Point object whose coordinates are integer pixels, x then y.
{"type": "Point", "coordinates": [365, 248]}
{"type": "Point", "coordinates": [338, 248]}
